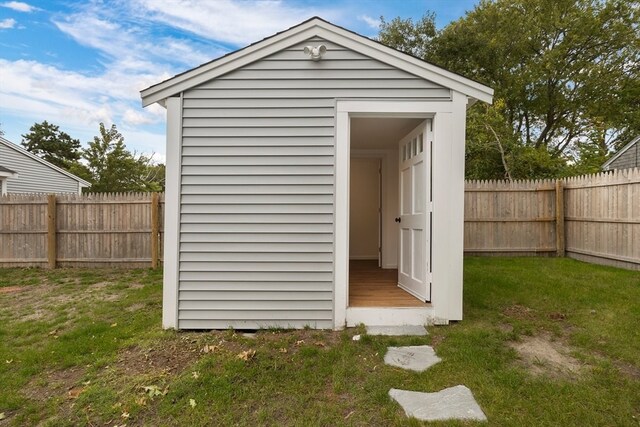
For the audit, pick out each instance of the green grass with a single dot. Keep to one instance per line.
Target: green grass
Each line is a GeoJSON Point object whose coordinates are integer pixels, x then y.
{"type": "Point", "coordinates": [77, 347]}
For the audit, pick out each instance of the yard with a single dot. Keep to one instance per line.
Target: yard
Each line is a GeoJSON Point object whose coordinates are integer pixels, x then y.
{"type": "Point", "coordinates": [544, 342]}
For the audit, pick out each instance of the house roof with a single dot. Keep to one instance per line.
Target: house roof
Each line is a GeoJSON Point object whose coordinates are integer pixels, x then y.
{"type": "Point", "coordinates": [7, 170]}
{"type": "Point", "coordinates": [21, 150]}
{"type": "Point", "coordinates": [314, 27]}
{"type": "Point", "coordinates": [620, 152]}
{"type": "Point", "coordinates": [7, 173]}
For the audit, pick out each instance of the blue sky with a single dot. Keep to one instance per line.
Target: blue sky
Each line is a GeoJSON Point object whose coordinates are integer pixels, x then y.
{"type": "Point", "coordinates": [79, 63]}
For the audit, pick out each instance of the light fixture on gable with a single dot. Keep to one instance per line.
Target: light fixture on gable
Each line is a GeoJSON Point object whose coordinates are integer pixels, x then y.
{"type": "Point", "coordinates": [315, 52]}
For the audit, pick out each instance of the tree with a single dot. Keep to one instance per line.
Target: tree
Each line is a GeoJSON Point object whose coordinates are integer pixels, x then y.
{"type": "Point", "coordinates": [407, 36]}
{"type": "Point", "coordinates": [568, 72]}
{"type": "Point", "coordinates": [114, 168]}
{"type": "Point", "coordinates": [46, 140]}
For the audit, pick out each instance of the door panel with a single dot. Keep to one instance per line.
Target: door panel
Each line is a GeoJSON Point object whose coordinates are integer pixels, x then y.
{"type": "Point", "coordinates": [415, 208]}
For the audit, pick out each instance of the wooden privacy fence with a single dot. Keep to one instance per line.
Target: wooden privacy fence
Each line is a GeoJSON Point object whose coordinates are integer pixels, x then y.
{"type": "Point", "coordinates": [594, 218]}
{"type": "Point", "coordinates": [91, 230]}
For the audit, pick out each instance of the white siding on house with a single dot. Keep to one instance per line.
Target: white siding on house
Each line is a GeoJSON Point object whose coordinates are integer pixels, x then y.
{"type": "Point", "coordinates": [257, 186]}
{"type": "Point", "coordinates": [34, 177]}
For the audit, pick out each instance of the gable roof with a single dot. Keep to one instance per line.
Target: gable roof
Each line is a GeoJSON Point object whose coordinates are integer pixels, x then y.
{"type": "Point", "coordinates": [314, 27]}
{"type": "Point", "coordinates": [24, 152]}
{"type": "Point", "coordinates": [6, 170]}
{"type": "Point", "coordinates": [621, 152]}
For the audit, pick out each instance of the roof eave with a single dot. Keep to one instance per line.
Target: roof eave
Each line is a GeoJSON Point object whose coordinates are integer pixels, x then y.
{"type": "Point", "coordinates": [21, 150]}
{"type": "Point", "coordinates": [313, 27]}
{"type": "Point", "coordinates": [620, 152]}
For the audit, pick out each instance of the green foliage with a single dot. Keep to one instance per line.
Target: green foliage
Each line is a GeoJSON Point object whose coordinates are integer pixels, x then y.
{"type": "Point", "coordinates": [46, 140]}
{"type": "Point", "coordinates": [568, 72]}
{"type": "Point", "coordinates": [114, 168]}
{"type": "Point", "coordinates": [407, 36]}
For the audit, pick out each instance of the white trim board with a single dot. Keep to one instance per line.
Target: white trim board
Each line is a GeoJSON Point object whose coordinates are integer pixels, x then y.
{"type": "Point", "coordinates": [172, 214]}
{"type": "Point", "coordinates": [315, 27]}
{"type": "Point", "coordinates": [448, 201]}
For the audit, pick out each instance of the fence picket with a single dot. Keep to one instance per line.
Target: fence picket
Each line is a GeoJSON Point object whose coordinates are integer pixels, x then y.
{"type": "Point", "coordinates": [601, 223]}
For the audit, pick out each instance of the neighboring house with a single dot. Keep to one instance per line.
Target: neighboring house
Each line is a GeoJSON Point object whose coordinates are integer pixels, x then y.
{"type": "Point", "coordinates": [31, 174]}
{"type": "Point", "coordinates": [5, 173]}
{"type": "Point", "coordinates": [259, 150]}
{"type": "Point", "coordinates": [627, 157]}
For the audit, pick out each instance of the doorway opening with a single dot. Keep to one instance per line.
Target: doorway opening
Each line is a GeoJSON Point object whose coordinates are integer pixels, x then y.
{"type": "Point", "coordinates": [378, 154]}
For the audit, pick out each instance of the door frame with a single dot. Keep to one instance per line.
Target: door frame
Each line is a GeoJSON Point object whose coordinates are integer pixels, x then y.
{"type": "Point", "coordinates": [448, 117]}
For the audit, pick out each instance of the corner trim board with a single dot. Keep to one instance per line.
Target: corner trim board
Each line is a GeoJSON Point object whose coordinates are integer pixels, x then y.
{"type": "Point", "coordinates": [172, 214]}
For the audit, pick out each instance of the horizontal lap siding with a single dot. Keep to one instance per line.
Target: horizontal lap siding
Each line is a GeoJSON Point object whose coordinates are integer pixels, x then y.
{"type": "Point", "coordinates": [33, 176]}
{"type": "Point", "coordinates": [257, 190]}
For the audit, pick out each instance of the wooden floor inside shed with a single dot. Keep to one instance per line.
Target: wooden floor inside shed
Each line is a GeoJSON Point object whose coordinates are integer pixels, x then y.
{"type": "Point", "coordinates": [372, 286]}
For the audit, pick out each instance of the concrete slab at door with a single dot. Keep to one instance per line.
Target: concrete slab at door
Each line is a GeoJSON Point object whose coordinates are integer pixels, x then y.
{"type": "Point", "coordinates": [405, 330]}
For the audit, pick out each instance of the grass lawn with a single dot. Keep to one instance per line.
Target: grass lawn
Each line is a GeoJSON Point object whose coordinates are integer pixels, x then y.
{"type": "Point", "coordinates": [544, 342]}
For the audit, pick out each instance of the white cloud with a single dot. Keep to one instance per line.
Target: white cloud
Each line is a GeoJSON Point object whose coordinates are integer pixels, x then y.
{"type": "Point", "coordinates": [231, 21]}
{"type": "Point", "coordinates": [8, 23]}
{"type": "Point", "coordinates": [372, 22]}
{"type": "Point", "coordinates": [19, 6]}
{"type": "Point", "coordinates": [41, 91]}
{"type": "Point", "coordinates": [136, 117]}
{"type": "Point", "coordinates": [132, 48]}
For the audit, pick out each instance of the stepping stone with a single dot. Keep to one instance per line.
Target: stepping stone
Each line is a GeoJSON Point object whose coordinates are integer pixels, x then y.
{"type": "Point", "coordinates": [396, 330]}
{"type": "Point", "coordinates": [415, 358]}
{"type": "Point", "coordinates": [451, 403]}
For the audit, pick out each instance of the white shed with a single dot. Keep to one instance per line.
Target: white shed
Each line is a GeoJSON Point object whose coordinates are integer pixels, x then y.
{"type": "Point", "coordinates": [314, 178]}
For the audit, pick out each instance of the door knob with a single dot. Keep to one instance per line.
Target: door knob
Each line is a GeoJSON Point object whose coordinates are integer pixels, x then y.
{"type": "Point", "coordinates": [398, 219]}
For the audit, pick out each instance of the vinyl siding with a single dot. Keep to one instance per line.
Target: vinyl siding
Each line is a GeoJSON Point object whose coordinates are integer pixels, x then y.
{"type": "Point", "coordinates": [629, 159]}
{"type": "Point", "coordinates": [257, 186]}
{"type": "Point", "coordinates": [33, 176]}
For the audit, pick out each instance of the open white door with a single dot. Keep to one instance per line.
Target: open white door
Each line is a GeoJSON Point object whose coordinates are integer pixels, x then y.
{"type": "Point", "coordinates": [415, 210]}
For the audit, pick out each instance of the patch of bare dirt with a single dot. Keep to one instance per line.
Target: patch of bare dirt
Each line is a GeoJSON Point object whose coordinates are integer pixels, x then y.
{"type": "Point", "coordinates": [135, 307]}
{"type": "Point", "coordinates": [542, 355]}
{"type": "Point", "coordinates": [65, 383]}
{"type": "Point", "coordinates": [518, 311]}
{"type": "Point", "coordinates": [10, 289]}
{"type": "Point", "coordinates": [42, 301]}
{"type": "Point", "coordinates": [170, 357]}
{"type": "Point", "coordinates": [110, 297]}
{"type": "Point", "coordinates": [98, 286]}
{"type": "Point", "coordinates": [436, 340]}
{"type": "Point", "coordinates": [628, 370]}
{"type": "Point", "coordinates": [557, 316]}
{"type": "Point", "coordinates": [506, 328]}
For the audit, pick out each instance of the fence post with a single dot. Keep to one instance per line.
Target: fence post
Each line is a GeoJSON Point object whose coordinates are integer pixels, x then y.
{"type": "Point", "coordinates": [560, 235]}
{"type": "Point", "coordinates": [51, 231]}
{"type": "Point", "coordinates": [154, 230]}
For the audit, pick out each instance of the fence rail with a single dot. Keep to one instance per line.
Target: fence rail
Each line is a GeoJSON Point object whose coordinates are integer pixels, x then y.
{"type": "Point", "coordinates": [595, 218]}
{"type": "Point", "coordinates": [90, 230]}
